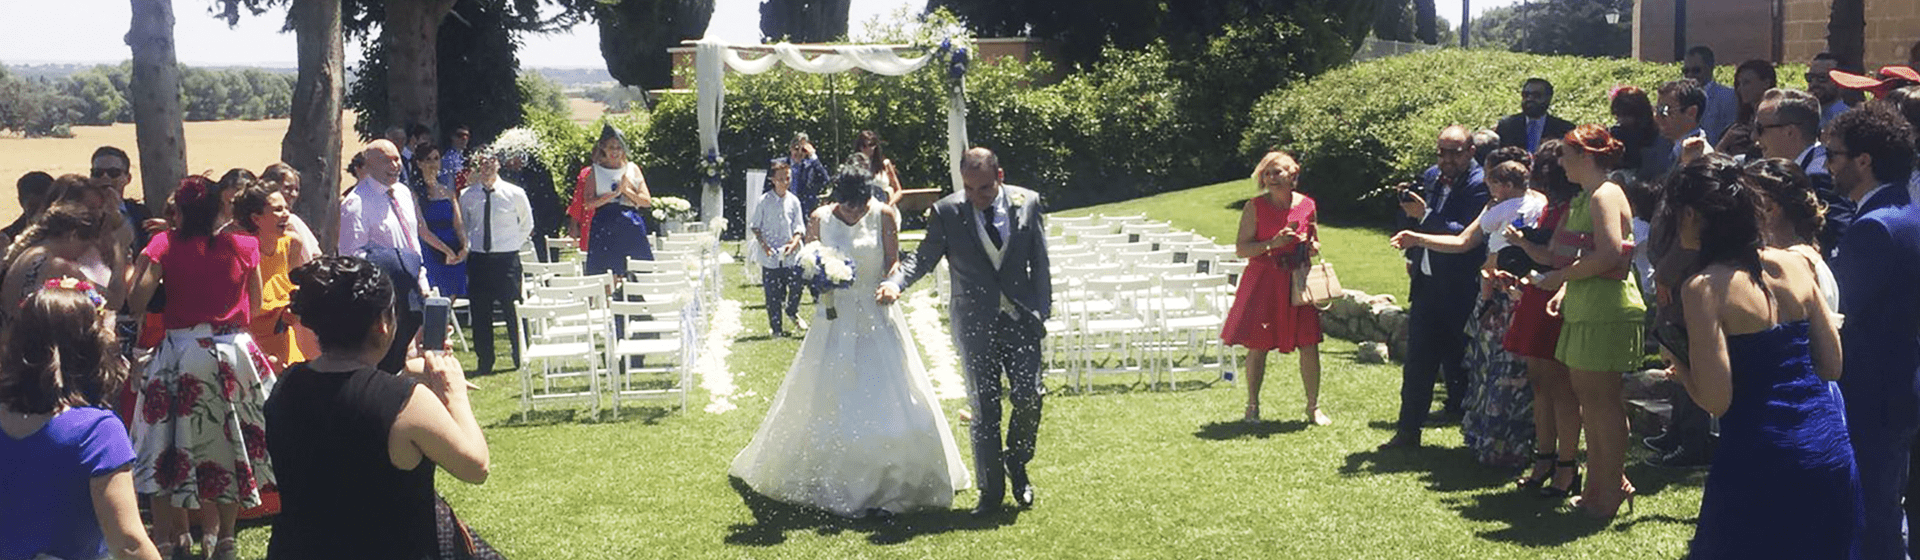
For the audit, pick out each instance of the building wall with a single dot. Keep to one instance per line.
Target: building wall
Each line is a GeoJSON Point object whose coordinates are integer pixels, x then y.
{"type": "Point", "coordinates": [1742, 29]}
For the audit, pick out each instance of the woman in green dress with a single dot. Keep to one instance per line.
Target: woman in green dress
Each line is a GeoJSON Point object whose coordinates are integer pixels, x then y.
{"type": "Point", "coordinates": [1601, 305]}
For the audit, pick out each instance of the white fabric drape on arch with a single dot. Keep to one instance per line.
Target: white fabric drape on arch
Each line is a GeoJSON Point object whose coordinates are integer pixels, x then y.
{"type": "Point", "coordinates": [713, 58]}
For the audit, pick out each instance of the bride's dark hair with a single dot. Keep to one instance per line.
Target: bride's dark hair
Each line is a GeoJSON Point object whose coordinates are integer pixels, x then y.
{"type": "Point", "coordinates": [853, 186]}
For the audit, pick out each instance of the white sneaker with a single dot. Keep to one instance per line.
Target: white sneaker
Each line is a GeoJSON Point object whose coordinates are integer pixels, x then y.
{"type": "Point", "coordinates": [798, 323]}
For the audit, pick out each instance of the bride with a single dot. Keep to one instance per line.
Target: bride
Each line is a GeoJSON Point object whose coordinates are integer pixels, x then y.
{"type": "Point", "coordinates": [855, 429]}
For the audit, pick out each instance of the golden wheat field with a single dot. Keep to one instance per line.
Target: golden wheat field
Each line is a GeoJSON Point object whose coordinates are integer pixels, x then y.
{"type": "Point", "coordinates": [211, 147]}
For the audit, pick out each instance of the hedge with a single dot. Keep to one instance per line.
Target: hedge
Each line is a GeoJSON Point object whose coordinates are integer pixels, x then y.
{"type": "Point", "coordinates": [1373, 123]}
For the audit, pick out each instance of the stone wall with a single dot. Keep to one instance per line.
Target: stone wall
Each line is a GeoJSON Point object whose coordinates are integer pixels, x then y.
{"type": "Point", "coordinates": [1377, 322]}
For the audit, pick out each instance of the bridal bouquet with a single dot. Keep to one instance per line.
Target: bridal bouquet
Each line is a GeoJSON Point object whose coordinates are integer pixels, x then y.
{"type": "Point", "coordinates": [672, 209]}
{"type": "Point", "coordinates": [827, 269]}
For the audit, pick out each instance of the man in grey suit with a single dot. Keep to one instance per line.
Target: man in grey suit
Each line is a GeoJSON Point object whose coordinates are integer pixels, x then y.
{"type": "Point", "coordinates": [995, 242]}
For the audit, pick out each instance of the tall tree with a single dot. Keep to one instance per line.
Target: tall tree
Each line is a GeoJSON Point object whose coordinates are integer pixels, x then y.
{"type": "Point", "coordinates": [635, 36]}
{"type": "Point", "coordinates": [805, 21]}
{"type": "Point", "coordinates": [1847, 32]}
{"type": "Point", "coordinates": [410, 35]}
{"type": "Point", "coordinates": [156, 102]}
{"type": "Point", "coordinates": [1425, 26]}
{"type": "Point", "coordinates": [312, 143]}
{"type": "Point", "coordinates": [1393, 20]}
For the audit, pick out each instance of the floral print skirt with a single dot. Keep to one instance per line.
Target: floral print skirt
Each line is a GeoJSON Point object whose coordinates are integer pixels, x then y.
{"type": "Point", "coordinates": [1498, 424]}
{"type": "Point", "coordinates": [198, 428]}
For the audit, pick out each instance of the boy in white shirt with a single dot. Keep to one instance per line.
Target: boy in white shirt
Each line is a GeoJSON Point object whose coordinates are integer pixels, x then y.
{"type": "Point", "coordinates": [778, 225]}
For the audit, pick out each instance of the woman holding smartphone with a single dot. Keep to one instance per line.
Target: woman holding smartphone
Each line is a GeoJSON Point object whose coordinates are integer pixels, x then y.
{"type": "Point", "coordinates": [1277, 235]}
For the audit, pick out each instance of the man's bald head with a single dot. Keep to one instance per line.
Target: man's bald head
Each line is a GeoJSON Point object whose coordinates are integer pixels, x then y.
{"type": "Point", "coordinates": [382, 161]}
{"type": "Point", "coordinates": [1455, 150]}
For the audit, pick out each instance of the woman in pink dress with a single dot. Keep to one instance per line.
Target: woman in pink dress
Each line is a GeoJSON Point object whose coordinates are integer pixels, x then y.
{"type": "Point", "coordinates": [1277, 235]}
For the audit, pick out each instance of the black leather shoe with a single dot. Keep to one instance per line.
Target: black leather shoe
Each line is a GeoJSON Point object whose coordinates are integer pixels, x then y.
{"type": "Point", "coordinates": [1022, 488]}
{"type": "Point", "coordinates": [1401, 441]}
{"type": "Point", "coordinates": [988, 509]}
{"type": "Point", "coordinates": [1444, 417]}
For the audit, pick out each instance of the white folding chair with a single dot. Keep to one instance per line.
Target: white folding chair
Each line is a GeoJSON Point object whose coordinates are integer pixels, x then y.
{"type": "Point", "coordinates": [549, 353]}
{"type": "Point", "coordinates": [1112, 334]}
{"type": "Point", "coordinates": [658, 332]}
{"type": "Point", "coordinates": [1191, 330]}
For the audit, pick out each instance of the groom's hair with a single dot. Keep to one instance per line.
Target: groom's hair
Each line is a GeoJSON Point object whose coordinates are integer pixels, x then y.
{"type": "Point", "coordinates": [974, 160]}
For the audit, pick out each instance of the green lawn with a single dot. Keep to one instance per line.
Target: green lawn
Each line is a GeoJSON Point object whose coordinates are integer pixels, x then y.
{"type": "Point", "coordinates": [1123, 472]}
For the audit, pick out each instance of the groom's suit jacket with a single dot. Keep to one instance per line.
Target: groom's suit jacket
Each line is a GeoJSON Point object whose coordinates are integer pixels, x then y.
{"type": "Point", "coordinates": [981, 275]}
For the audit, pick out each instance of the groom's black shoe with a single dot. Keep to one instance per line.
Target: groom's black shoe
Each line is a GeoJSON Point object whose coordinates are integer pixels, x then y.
{"type": "Point", "coordinates": [988, 509]}
{"type": "Point", "coordinates": [1022, 488]}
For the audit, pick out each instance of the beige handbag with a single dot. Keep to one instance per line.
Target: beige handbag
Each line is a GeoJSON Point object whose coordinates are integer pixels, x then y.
{"type": "Point", "coordinates": [1316, 285]}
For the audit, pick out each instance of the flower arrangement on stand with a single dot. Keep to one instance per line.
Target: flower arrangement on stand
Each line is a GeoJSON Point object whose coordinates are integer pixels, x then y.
{"type": "Point", "coordinates": [671, 211]}
{"type": "Point", "coordinates": [956, 55]}
{"type": "Point", "coordinates": [828, 270]}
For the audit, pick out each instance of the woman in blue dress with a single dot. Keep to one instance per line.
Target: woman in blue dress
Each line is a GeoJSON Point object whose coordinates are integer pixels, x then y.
{"type": "Point", "coordinates": [443, 231]}
{"type": "Point", "coordinates": [610, 202]}
{"type": "Point", "coordinates": [1764, 352]}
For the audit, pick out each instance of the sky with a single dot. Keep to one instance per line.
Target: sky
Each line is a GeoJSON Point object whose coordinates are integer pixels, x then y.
{"type": "Point", "coordinates": [92, 31]}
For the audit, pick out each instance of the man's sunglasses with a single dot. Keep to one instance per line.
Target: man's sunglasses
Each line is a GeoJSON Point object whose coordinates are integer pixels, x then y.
{"type": "Point", "coordinates": [108, 172]}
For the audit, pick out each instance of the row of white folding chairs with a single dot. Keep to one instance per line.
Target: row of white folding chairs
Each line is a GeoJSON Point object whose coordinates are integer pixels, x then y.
{"type": "Point", "coordinates": [569, 339]}
{"type": "Point", "coordinates": [1133, 323]}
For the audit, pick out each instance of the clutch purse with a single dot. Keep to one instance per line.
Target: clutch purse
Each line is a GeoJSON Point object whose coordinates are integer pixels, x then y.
{"type": "Point", "coordinates": [1673, 337]}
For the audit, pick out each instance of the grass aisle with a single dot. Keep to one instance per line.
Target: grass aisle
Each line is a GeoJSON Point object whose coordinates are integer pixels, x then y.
{"type": "Point", "coordinates": [1122, 473]}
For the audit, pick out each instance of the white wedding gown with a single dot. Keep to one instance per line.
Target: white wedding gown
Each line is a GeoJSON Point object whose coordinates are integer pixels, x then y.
{"type": "Point", "coordinates": [856, 425]}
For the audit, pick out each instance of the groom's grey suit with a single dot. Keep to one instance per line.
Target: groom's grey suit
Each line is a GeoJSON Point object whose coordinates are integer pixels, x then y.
{"type": "Point", "coordinates": [1001, 298]}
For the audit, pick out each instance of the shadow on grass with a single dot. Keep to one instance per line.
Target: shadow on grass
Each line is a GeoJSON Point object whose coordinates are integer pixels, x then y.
{"type": "Point", "coordinates": [647, 415]}
{"type": "Point", "coordinates": [1235, 429]}
{"type": "Point", "coordinates": [1446, 469]}
{"type": "Point", "coordinates": [772, 520]}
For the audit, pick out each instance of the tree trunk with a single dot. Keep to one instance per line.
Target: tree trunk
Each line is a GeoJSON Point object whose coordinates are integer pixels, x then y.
{"type": "Point", "coordinates": [411, 33]}
{"type": "Point", "coordinates": [1847, 33]}
{"type": "Point", "coordinates": [312, 144]}
{"type": "Point", "coordinates": [155, 88]}
{"type": "Point", "coordinates": [1425, 27]}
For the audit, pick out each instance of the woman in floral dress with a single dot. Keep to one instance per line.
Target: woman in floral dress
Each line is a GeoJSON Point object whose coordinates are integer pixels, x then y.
{"type": "Point", "coordinates": [198, 427]}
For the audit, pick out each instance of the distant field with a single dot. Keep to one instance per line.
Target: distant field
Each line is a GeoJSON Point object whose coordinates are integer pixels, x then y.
{"type": "Point", "coordinates": [211, 146]}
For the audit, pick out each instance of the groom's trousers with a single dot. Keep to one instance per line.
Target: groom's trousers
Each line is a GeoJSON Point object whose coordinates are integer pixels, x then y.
{"type": "Point", "coordinates": [1007, 347]}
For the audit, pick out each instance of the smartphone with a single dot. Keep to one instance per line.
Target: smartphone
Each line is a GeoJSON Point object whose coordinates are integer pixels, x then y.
{"type": "Point", "coordinates": [1406, 195]}
{"type": "Point", "coordinates": [433, 324]}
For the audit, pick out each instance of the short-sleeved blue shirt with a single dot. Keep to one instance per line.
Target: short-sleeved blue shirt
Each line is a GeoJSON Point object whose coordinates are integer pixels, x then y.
{"type": "Point", "coordinates": [46, 505]}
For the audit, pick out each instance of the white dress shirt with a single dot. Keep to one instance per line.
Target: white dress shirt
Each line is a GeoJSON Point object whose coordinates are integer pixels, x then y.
{"type": "Point", "coordinates": [1813, 160]}
{"type": "Point", "coordinates": [512, 217]}
{"type": "Point", "coordinates": [368, 219]}
{"type": "Point", "coordinates": [777, 218]}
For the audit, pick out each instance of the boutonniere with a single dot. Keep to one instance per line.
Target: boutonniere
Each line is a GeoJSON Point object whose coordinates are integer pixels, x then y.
{"type": "Point", "coordinates": [1018, 200]}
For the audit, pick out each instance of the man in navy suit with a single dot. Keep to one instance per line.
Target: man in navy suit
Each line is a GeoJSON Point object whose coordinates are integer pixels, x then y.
{"type": "Point", "coordinates": [1870, 154]}
{"type": "Point", "coordinates": [1789, 127]}
{"type": "Point", "coordinates": [1532, 125]}
{"type": "Point", "coordinates": [1444, 287]}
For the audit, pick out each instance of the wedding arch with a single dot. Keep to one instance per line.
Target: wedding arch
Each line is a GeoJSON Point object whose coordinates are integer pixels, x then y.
{"type": "Point", "coordinates": [712, 59]}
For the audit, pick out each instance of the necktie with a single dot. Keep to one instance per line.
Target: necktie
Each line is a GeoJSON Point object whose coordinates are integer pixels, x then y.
{"type": "Point", "coordinates": [399, 216]}
{"type": "Point", "coordinates": [486, 222]}
{"type": "Point", "coordinates": [993, 231]}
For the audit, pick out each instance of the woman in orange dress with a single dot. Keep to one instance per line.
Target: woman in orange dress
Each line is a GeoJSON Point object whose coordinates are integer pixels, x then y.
{"type": "Point", "coordinates": [1277, 235]}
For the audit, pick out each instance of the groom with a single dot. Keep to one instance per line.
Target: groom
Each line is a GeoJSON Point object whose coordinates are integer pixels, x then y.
{"type": "Point", "coordinates": [996, 244]}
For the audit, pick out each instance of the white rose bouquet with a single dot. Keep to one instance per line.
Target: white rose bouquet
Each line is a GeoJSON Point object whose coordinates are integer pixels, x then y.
{"type": "Point", "coordinates": [828, 270]}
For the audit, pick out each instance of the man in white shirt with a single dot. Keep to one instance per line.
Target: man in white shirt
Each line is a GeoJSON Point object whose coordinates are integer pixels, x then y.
{"type": "Point", "coordinates": [378, 222]}
{"type": "Point", "coordinates": [499, 221]}
{"type": "Point", "coordinates": [779, 225]}
{"type": "Point", "coordinates": [1677, 112]}
{"type": "Point", "coordinates": [1723, 106]}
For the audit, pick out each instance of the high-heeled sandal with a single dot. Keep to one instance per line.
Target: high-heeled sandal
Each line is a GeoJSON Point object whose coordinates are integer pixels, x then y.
{"type": "Point", "coordinates": [1539, 476]}
{"type": "Point", "coordinates": [1318, 418]}
{"type": "Point", "coordinates": [1253, 414]}
{"type": "Point", "coordinates": [224, 549]}
{"type": "Point", "coordinates": [1584, 504]}
{"type": "Point", "coordinates": [1572, 489]}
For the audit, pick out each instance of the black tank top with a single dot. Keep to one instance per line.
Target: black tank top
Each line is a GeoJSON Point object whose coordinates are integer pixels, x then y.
{"type": "Point", "coordinates": [340, 495]}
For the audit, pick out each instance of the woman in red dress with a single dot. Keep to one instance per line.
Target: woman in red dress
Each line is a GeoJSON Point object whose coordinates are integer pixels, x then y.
{"type": "Point", "coordinates": [1277, 235]}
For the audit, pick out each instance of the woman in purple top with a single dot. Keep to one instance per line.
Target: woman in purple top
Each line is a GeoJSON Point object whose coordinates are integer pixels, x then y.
{"type": "Point", "coordinates": [66, 485]}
